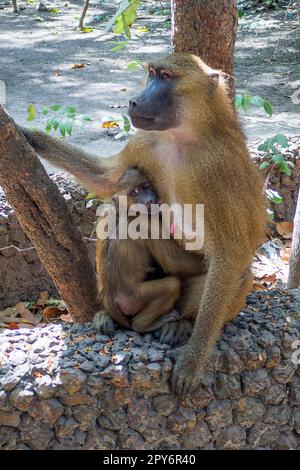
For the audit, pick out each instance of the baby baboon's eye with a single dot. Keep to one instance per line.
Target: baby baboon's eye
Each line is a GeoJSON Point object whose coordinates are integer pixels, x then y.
{"type": "Point", "coordinates": [146, 185]}
{"type": "Point", "coordinates": [135, 191]}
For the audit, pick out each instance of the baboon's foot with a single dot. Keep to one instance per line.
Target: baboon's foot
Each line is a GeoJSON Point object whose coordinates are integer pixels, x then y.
{"type": "Point", "coordinates": [175, 332]}
{"type": "Point", "coordinates": [187, 372]}
{"type": "Point", "coordinates": [103, 323]}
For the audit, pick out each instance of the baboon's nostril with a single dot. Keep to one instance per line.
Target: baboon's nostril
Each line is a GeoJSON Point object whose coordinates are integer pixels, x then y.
{"type": "Point", "coordinates": [132, 103]}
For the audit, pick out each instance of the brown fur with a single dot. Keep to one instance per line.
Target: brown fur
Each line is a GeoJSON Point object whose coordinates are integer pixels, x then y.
{"type": "Point", "coordinates": [202, 160]}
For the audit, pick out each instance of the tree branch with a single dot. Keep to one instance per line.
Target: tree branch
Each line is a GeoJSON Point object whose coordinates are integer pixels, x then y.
{"type": "Point", "coordinates": [44, 217]}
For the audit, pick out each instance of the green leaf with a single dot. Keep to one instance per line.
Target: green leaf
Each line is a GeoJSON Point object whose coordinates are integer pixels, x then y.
{"type": "Point", "coordinates": [48, 127]}
{"type": "Point", "coordinates": [133, 65]}
{"type": "Point", "coordinates": [45, 111]}
{"type": "Point", "coordinates": [119, 47]}
{"type": "Point", "coordinates": [271, 142]}
{"type": "Point", "coordinates": [284, 168]}
{"type": "Point", "coordinates": [268, 107]}
{"type": "Point", "coordinates": [124, 17]}
{"type": "Point", "coordinates": [69, 125]}
{"type": "Point", "coordinates": [84, 117]}
{"type": "Point", "coordinates": [70, 110]}
{"type": "Point", "coordinates": [238, 101]}
{"type": "Point", "coordinates": [123, 5]}
{"type": "Point", "coordinates": [245, 104]}
{"type": "Point", "coordinates": [281, 140]}
{"type": "Point", "coordinates": [127, 123]}
{"type": "Point", "coordinates": [30, 112]}
{"type": "Point", "coordinates": [126, 27]}
{"type": "Point", "coordinates": [55, 11]}
{"type": "Point", "coordinates": [62, 128]}
{"type": "Point", "coordinates": [143, 29]}
{"type": "Point", "coordinates": [55, 107]}
{"type": "Point", "coordinates": [55, 123]}
{"type": "Point", "coordinates": [264, 165]}
{"type": "Point", "coordinates": [131, 12]}
{"type": "Point", "coordinates": [263, 147]}
{"type": "Point", "coordinates": [278, 158]}
{"type": "Point", "coordinates": [118, 27]}
{"type": "Point", "coordinates": [86, 30]}
{"type": "Point", "coordinates": [257, 101]}
{"type": "Point", "coordinates": [91, 195]}
{"type": "Point", "coordinates": [273, 196]}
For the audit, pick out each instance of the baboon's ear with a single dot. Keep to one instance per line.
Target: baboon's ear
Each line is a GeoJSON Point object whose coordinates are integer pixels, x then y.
{"type": "Point", "coordinates": [214, 76]}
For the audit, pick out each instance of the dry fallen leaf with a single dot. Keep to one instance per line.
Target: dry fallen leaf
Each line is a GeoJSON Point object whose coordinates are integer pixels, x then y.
{"type": "Point", "coordinates": [66, 318]}
{"type": "Point", "coordinates": [22, 310]}
{"type": "Point", "coordinates": [285, 229]}
{"type": "Point", "coordinates": [109, 124]}
{"type": "Point", "coordinates": [53, 312]}
{"type": "Point", "coordinates": [285, 254]}
{"type": "Point", "coordinates": [37, 374]}
{"type": "Point", "coordinates": [57, 73]}
{"type": "Point", "coordinates": [78, 66]}
{"type": "Point", "coordinates": [268, 277]}
{"type": "Point", "coordinates": [13, 326]}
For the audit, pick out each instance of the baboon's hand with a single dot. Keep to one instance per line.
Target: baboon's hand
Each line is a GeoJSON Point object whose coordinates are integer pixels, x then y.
{"type": "Point", "coordinates": [186, 375]}
{"type": "Point", "coordinates": [103, 323]}
{"type": "Point", "coordinates": [175, 332]}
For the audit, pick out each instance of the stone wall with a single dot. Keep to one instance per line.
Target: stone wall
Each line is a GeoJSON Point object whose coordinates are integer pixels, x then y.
{"type": "Point", "coordinates": [22, 275]}
{"type": "Point", "coordinates": [69, 387]}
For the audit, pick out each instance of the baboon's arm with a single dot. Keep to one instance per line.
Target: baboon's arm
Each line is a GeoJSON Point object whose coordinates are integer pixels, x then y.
{"type": "Point", "coordinates": [95, 173]}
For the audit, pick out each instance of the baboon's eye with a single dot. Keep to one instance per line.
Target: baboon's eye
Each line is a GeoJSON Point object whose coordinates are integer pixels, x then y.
{"type": "Point", "coordinates": [151, 73]}
{"type": "Point", "coordinates": [165, 75]}
{"type": "Point", "coordinates": [146, 185]}
{"type": "Point", "coordinates": [135, 191]}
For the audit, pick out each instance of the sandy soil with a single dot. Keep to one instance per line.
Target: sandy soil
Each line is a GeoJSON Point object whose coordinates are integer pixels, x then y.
{"type": "Point", "coordinates": [37, 51]}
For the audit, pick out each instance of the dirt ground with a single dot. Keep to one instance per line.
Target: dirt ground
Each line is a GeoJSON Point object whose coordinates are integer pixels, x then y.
{"type": "Point", "coordinates": [38, 50]}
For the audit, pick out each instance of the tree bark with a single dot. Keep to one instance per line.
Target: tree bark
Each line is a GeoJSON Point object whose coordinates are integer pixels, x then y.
{"type": "Point", "coordinates": [206, 28]}
{"type": "Point", "coordinates": [294, 271]}
{"type": "Point", "coordinates": [44, 217]}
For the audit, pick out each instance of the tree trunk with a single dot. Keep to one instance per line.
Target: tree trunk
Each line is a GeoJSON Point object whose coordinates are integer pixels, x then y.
{"type": "Point", "coordinates": [15, 6]}
{"type": "Point", "coordinates": [44, 217]}
{"type": "Point", "coordinates": [206, 28]}
{"type": "Point", "coordinates": [294, 272]}
{"type": "Point", "coordinates": [85, 9]}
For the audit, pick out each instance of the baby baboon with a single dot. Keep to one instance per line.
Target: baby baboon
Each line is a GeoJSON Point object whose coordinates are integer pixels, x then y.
{"type": "Point", "coordinates": [140, 279]}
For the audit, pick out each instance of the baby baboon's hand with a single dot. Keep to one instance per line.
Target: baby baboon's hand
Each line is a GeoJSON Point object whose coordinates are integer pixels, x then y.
{"type": "Point", "coordinates": [103, 323]}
